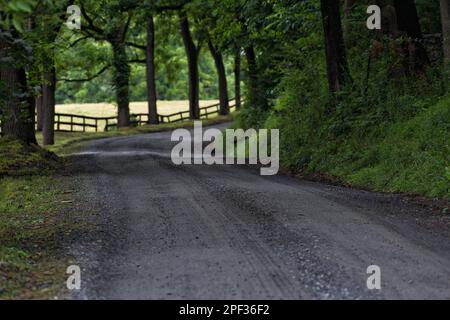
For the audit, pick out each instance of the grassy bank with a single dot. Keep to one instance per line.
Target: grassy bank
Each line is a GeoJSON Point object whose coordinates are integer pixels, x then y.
{"type": "Point", "coordinates": [401, 147]}
{"type": "Point", "coordinates": [32, 226]}
{"type": "Point", "coordinates": [411, 156]}
{"type": "Point", "coordinates": [34, 218]}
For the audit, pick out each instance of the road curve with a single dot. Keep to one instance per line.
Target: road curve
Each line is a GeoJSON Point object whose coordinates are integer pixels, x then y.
{"type": "Point", "coordinates": [224, 232]}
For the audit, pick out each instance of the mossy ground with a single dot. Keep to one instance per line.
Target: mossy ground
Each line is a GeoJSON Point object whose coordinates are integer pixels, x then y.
{"type": "Point", "coordinates": [34, 220]}
{"type": "Point", "coordinates": [19, 159]}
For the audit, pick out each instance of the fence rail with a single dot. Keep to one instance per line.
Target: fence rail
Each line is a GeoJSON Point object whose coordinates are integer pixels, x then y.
{"type": "Point", "coordinates": [143, 118]}
{"type": "Point", "coordinates": [75, 123]}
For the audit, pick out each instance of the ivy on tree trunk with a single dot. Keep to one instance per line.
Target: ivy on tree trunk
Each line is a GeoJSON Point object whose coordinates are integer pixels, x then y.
{"type": "Point", "coordinates": [121, 81]}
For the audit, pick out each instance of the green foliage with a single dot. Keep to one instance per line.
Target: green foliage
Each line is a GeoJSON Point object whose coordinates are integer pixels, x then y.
{"type": "Point", "coordinates": [393, 138]}
{"type": "Point", "coordinates": [411, 156]}
{"type": "Point", "coordinates": [14, 12]}
{"type": "Point", "coordinates": [87, 57]}
{"type": "Point", "coordinates": [385, 131]}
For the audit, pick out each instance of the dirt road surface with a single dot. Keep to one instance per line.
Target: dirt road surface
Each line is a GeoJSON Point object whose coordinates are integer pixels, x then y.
{"type": "Point", "coordinates": [162, 231]}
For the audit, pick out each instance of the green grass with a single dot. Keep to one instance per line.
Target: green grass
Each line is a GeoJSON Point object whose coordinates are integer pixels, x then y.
{"type": "Point", "coordinates": [412, 157]}
{"type": "Point", "coordinates": [32, 265]}
{"type": "Point", "coordinates": [30, 221]}
{"type": "Point", "coordinates": [399, 145]}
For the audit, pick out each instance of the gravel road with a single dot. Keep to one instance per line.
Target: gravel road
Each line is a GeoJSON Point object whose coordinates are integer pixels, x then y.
{"type": "Point", "coordinates": [160, 231]}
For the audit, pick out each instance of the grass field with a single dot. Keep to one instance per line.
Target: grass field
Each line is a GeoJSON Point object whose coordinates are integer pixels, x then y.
{"type": "Point", "coordinates": [110, 110]}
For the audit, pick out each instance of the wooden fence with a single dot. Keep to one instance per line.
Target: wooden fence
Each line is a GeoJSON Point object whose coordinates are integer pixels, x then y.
{"type": "Point", "coordinates": [142, 118]}
{"type": "Point", "coordinates": [76, 123]}
{"type": "Point", "coordinates": [205, 113]}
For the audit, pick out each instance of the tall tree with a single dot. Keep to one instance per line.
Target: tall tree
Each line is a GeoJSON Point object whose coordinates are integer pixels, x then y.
{"type": "Point", "coordinates": [337, 67]}
{"type": "Point", "coordinates": [256, 94]}
{"type": "Point", "coordinates": [117, 18]}
{"type": "Point", "coordinates": [151, 9]}
{"type": "Point", "coordinates": [248, 24]}
{"type": "Point", "coordinates": [222, 78]}
{"type": "Point", "coordinates": [39, 112]}
{"type": "Point", "coordinates": [150, 63]}
{"type": "Point", "coordinates": [415, 54]}
{"type": "Point", "coordinates": [16, 57]}
{"type": "Point", "coordinates": [192, 52]}
{"type": "Point", "coordinates": [348, 6]}
{"type": "Point", "coordinates": [50, 24]}
{"type": "Point", "coordinates": [237, 79]}
{"type": "Point", "coordinates": [121, 76]}
{"type": "Point", "coordinates": [16, 101]}
{"type": "Point", "coordinates": [48, 102]}
{"type": "Point", "coordinates": [206, 27]}
{"type": "Point", "coordinates": [445, 18]}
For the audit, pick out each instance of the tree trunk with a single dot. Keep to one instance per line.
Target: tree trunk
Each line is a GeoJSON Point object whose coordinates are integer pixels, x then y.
{"type": "Point", "coordinates": [16, 104]}
{"type": "Point", "coordinates": [151, 82]}
{"type": "Point", "coordinates": [121, 80]}
{"type": "Point", "coordinates": [48, 104]}
{"type": "Point", "coordinates": [237, 79]}
{"type": "Point", "coordinates": [256, 94]}
{"type": "Point", "coordinates": [408, 18]}
{"type": "Point", "coordinates": [39, 101]}
{"type": "Point", "coordinates": [337, 67]}
{"type": "Point", "coordinates": [222, 77]}
{"type": "Point", "coordinates": [415, 55]}
{"type": "Point", "coordinates": [445, 17]}
{"type": "Point", "coordinates": [192, 55]}
{"type": "Point", "coordinates": [45, 105]}
{"type": "Point", "coordinates": [348, 6]}
{"type": "Point", "coordinates": [389, 21]}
